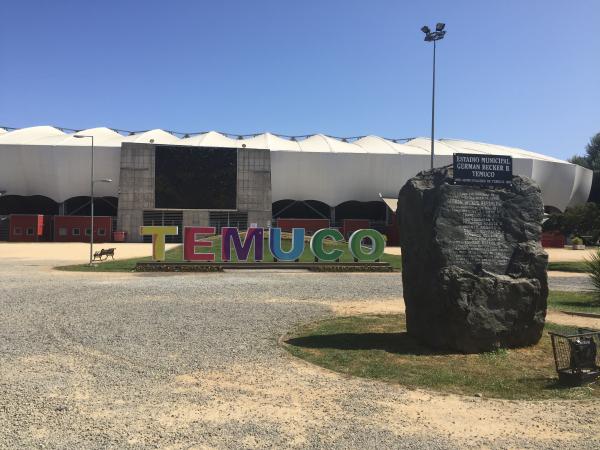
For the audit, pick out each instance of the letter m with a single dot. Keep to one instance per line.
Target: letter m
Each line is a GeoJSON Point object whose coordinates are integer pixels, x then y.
{"type": "Point", "coordinates": [231, 235]}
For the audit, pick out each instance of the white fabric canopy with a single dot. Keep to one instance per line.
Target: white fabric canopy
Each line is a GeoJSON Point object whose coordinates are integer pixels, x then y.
{"type": "Point", "coordinates": [44, 160]}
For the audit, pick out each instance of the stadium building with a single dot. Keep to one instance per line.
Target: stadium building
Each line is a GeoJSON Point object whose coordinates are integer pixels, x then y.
{"type": "Point", "coordinates": [215, 180]}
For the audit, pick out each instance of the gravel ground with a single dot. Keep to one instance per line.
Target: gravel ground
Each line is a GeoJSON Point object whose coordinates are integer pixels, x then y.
{"type": "Point", "coordinates": [192, 361]}
{"type": "Point", "coordinates": [579, 282]}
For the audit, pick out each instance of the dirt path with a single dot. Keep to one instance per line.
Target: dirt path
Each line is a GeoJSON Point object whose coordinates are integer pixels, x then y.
{"type": "Point", "coordinates": [561, 318]}
{"type": "Point", "coordinates": [554, 254]}
{"type": "Point", "coordinates": [396, 306]}
{"type": "Point", "coordinates": [69, 252]}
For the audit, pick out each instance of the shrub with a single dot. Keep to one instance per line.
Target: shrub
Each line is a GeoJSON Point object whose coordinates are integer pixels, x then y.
{"type": "Point", "coordinates": [576, 241]}
{"type": "Point", "coordinates": [578, 220]}
{"type": "Point", "coordinates": [593, 267]}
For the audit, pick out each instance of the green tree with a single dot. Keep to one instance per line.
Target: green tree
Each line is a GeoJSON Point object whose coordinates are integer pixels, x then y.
{"type": "Point", "coordinates": [591, 159]}
{"type": "Point", "coordinates": [580, 220]}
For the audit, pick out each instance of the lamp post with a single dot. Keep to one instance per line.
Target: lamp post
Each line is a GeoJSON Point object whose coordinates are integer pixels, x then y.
{"type": "Point", "coordinates": [433, 36]}
{"type": "Point", "coordinates": [92, 181]}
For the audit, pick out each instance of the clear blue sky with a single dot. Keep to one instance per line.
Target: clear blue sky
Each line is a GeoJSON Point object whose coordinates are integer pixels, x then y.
{"type": "Point", "coordinates": [519, 73]}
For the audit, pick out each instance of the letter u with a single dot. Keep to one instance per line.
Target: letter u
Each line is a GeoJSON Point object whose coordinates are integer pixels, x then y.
{"type": "Point", "coordinates": [297, 244]}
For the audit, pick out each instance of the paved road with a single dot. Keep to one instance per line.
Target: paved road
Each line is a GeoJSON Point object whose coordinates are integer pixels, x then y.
{"type": "Point", "coordinates": [192, 361]}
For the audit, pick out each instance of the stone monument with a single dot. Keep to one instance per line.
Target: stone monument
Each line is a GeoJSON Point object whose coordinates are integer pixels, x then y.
{"type": "Point", "coordinates": [474, 271]}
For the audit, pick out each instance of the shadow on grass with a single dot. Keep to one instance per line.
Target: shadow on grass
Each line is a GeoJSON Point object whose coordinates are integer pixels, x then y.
{"type": "Point", "coordinates": [398, 343]}
{"type": "Point", "coordinates": [553, 384]}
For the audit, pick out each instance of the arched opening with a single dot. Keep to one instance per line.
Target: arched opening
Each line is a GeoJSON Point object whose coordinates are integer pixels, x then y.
{"type": "Point", "coordinates": [374, 211]}
{"type": "Point", "coordinates": [27, 204]}
{"type": "Point", "coordinates": [80, 206]}
{"type": "Point", "coordinates": [300, 209]}
{"type": "Point", "coordinates": [354, 215]}
{"type": "Point", "coordinates": [311, 215]}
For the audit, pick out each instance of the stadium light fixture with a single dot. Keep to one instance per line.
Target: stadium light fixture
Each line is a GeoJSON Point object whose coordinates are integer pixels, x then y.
{"type": "Point", "coordinates": [433, 36]}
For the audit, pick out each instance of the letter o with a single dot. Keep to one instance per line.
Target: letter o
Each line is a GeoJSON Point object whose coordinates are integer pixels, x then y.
{"type": "Point", "coordinates": [377, 244]}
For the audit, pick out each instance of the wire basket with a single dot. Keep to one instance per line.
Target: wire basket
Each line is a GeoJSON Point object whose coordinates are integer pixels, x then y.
{"type": "Point", "coordinates": [577, 356]}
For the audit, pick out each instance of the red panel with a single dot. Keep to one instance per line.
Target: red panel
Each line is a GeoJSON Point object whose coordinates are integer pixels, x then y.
{"type": "Point", "coordinates": [310, 225]}
{"type": "Point", "coordinates": [553, 239]}
{"type": "Point", "coordinates": [120, 236]}
{"type": "Point", "coordinates": [392, 231]}
{"type": "Point", "coordinates": [64, 227]}
{"type": "Point", "coordinates": [393, 235]}
{"type": "Point", "coordinates": [20, 224]}
{"type": "Point", "coordinates": [351, 225]}
{"type": "Point", "coordinates": [40, 226]}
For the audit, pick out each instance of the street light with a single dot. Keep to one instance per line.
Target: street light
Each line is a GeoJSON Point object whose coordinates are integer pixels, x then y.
{"type": "Point", "coordinates": [433, 36]}
{"type": "Point", "coordinates": [92, 181]}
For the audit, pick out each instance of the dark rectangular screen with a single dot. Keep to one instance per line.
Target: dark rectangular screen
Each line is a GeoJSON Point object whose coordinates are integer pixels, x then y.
{"type": "Point", "coordinates": [195, 177]}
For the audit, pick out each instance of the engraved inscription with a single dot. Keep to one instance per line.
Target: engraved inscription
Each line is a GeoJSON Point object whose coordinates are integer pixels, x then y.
{"type": "Point", "coordinates": [479, 215]}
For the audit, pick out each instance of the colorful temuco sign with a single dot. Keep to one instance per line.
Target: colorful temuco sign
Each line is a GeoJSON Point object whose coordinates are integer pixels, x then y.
{"type": "Point", "coordinates": [194, 238]}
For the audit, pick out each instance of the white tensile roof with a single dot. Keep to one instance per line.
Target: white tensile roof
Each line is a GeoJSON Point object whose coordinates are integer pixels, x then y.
{"type": "Point", "coordinates": [156, 136]}
{"type": "Point", "coordinates": [28, 135]}
{"type": "Point", "coordinates": [318, 143]}
{"type": "Point", "coordinates": [210, 139]}
{"type": "Point", "coordinates": [48, 161]}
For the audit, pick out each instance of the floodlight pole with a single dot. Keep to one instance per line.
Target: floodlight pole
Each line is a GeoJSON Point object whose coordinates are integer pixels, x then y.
{"type": "Point", "coordinates": [433, 36]}
{"type": "Point", "coordinates": [433, 109]}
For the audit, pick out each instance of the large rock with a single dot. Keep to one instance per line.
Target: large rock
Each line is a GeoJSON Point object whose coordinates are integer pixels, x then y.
{"type": "Point", "coordinates": [474, 271]}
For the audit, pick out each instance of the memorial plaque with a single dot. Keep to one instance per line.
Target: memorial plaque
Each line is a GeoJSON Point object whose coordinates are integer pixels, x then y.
{"type": "Point", "coordinates": [490, 170]}
{"type": "Point", "coordinates": [480, 244]}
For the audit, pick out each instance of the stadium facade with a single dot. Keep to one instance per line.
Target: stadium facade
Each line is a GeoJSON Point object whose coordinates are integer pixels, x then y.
{"type": "Point", "coordinates": [211, 179]}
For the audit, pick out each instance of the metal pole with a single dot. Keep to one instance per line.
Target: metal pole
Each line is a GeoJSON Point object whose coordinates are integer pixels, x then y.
{"type": "Point", "coordinates": [433, 108]}
{"type": "Point", "coordinates": [92, 206]}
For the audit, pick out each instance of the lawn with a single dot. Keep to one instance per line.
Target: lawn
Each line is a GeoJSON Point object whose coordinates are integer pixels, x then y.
{"type": "Point", "coordinates": [568, 266]}
{"type": "Point", "coordinates": [176, 254]}
{"type": "Point", "coordinates": [378, 347]}
{"type": "Point", "coordinates": [574, 301]}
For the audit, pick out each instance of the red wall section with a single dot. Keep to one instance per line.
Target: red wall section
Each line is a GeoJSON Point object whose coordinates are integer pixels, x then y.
{"type": "Point", "coordinates": [65, 228]}
{"type": "Point", "coordinates": [351, 225]}
{"type": "Point", "coordinates": [25, 227]}
{"type": "Point", "coordinates": [310, 225]}
{"type": "Point", "coordinates": [553, 239]}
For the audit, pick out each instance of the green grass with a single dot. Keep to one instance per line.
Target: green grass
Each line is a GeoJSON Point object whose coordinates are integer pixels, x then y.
{"type": "Point", "coordinates": [378, 347]}
{"type": "Point", "coordinates": [569, 266]}
{"type": "Point", "coordinates": [574, 301]}
{"type": "Point", "coordinates": [122, 265]}
{"type": "Point", "coordinates": [176, 254]}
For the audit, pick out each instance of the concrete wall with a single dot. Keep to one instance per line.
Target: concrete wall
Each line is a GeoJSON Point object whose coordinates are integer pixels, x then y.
{"type": "Point", "coordinates": [136, 190]}
{"type": "Point", "coordinates": [196, 217]}
{"type": "Point", "coordinates": [254, 185]}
